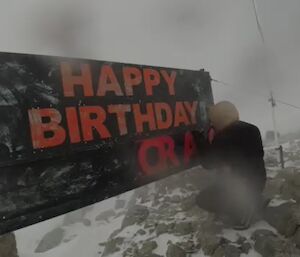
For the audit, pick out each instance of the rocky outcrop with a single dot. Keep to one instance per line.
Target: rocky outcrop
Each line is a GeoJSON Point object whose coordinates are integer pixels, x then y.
{"type": "Point", "coordinates": [269, 244]}
{"type": "Point", "coordinates": [175, 251]}
{"type": "Point", "coordinates": [50, 240]}
{"type": "Point", "coordinates": [112, 246]}
{"type": "Point", "coordinates": [8, 247]}
{"type": "Point", "coordinates": [285, 218]}
{"type": "Point", "coordinates": [167, 208]}
{"type": "Point", "coordinates": [135, 215]}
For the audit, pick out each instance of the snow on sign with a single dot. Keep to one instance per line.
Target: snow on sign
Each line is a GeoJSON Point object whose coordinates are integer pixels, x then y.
{"type": "Point", "coordinates": [75, 132]}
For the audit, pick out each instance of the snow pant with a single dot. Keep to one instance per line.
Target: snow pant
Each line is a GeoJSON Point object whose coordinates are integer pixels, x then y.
{"type": "Point", "coordinates": [231, 196]}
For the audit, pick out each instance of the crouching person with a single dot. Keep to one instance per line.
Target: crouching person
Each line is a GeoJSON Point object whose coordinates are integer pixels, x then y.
{"type": "Point", "coordinates": [236, 153]}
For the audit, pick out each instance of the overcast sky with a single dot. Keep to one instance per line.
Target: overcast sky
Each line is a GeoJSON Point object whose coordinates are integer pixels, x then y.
{"type": "Point", "coordinates": [219, 36]}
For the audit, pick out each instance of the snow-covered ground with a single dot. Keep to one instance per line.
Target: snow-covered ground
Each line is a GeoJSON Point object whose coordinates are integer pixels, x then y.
{"type": "Point", "coordinates": [78, 240]}
{"type": "Point", "coordinates": [88, 231]}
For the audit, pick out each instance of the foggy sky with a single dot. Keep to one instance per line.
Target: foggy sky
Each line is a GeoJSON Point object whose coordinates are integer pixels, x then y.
{"type": "Point", "coordinates": [219, 36]}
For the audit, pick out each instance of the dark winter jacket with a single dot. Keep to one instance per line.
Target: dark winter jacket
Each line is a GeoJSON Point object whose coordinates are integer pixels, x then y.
{"type": "Point", "coordinates": [238, 147]}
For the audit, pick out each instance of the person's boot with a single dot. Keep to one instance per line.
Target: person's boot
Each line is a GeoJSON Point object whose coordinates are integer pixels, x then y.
{"type": "Point", "coordinates": [245, 220]}
{"type": "Point", "coordinates": [251, 215]}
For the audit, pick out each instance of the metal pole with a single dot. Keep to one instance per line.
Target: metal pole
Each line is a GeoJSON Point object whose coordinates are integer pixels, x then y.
{"type": "Point", "coordinates": [279, 147]}
{"type": "Point", "coordinates": [272, 100]}
{"type": "Point", "coordinates": [273, 104]}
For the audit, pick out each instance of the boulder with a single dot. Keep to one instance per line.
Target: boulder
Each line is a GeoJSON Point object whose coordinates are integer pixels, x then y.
{"type": "Point", "coordinates": [269, 245]}
{"type": "Point", "coordinates": [273, 187]}
{"type": "Point", "coordinates": [141, 232]}
{"type": "Point", "coordinates": [183, 228]}
{"type": "Point", "coordinates": [147, 248]}
{"type": "Point", "coordinates": [175, 251]}
{"type": "Point", "coordinates": [285, 218]}
{"type": "Point", "coordinates": [135, 215]}
{"type": "Point", "coordinates": [163, 228]}
{"type": "Point", "coordinates": [8, 246]}
{"type": "Point", "coordinates": [290, 191]}
{"type": "Point", "coordinates": [188, 203]}
{"type": "Point", "coordinates": [189, 246]}
{"type": "Point", "coordinates": [175, 199]}
{"type": "Point", "coordinates": [51, 240]}
{"type": "Point", "coordinates": [112, 246]}
{"type": "Point", "coordinates": [227, 251]}
{"type": "Point", "coordinates": [131, 251]}
{"type": "Point", "coordinates": [106, 215]}
{"type": "Point", "coordinates": [245, 247]}
{"type": "Point", "coordinates": [210, 243]}
{"type": "Point", "coordinates": [297, 237]}
{"type": "Point", "coordinates": [210, 226]}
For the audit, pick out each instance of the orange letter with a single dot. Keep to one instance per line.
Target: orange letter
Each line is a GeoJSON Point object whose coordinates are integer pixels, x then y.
{"type": "Point", "coordinates": [132, 77]}
{"type": "Point", "coordinates": [170, 79]}
{"type": "Point", "coordinates": [72, 120]}
{"type": "Point", "coordinates": [190, 147]}
{"type": "Point", "coordinates": [165, 150]}
{"type": "Point", "coordinates": [180, 115]}
{"type": "Point", "coordinates": [89, 123]}
{"type": "Point", "coordinates": [192, 109]}
{"type": "Point", "coordinates": [70, 81]}
{"type": "Point", "coordinates": [120, 110]}
{"type": "Point", "coordinates": [151, 79]}
{"type": "Point", "coordinates": [140, 118]}
{"type": "Point", "coordinates": [163, 121]}
{"type": "Point", "coordinates": [40, 128]}
{"type": "Point", "coordinates": [108, 82]}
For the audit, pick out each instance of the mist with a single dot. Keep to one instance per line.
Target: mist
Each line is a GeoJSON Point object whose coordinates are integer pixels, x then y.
{"type": "Point", "coordinates": [219, 36]}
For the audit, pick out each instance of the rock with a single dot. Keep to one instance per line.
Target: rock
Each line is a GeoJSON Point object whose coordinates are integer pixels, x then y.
{"type": "Point", "coordinates": [285, 218]}
{"type": "Point", "coordinates": [232, 251]}
{"type": "Point", "coordinates": [120, 204]}
{"type": "Point", "coordinates": [219, 252]}
{"type": "Point", "coordinates": [241, 240]}
{"type": "Point", "coordinates": [162, 228]}
{"type": "Point", "coordinates": [112, 246]}
{"type": "Point", "coordinates": [210, 226]}
{"type": "Point", "coordinates": [106, 215]}
{"type": "Point", "coordinates": [273, 187]}
{"type": "Point", "coordinates": [176, 199]}
{"type": "Point", "coordinates": [297, 238]}
{"type": "Point", "coordinates": [132, 251]}
{"type": "Point", "coordinates": [8, 246]}
{"type": "Point", "coordinates": [227, 251]}
{"type": "Point", "coordinates": [175, 251]}
{"type": "Point", "coordinates": [136, 215]}
{"type": "Point", "coordinates": [188, 203]}
{"type": "Point", "coordinates": [269, 245]}
{"type": "Point", "coordinates": [290, 191]}
{"type": "Point", "coordinates": [183, 228]}
{"type": "Point", "coordinates": [147, 248]}
{"type": "Point", "coordinates": [115, 233]}
{"type": "Point", "coordinates": [50, 240]}
{"type": "Point", "coordinates": [189, 246]}
{"type": "Point", "coordinates": [246, 247]}
{"type": "Point", "coordinates": [141, 232]}
{"type": "Point", "coordinates": [295, 180]}
{"type": "Point", "coordinates": [260, 233]}
{"type": "Point", "coordinates": [210, 243]}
